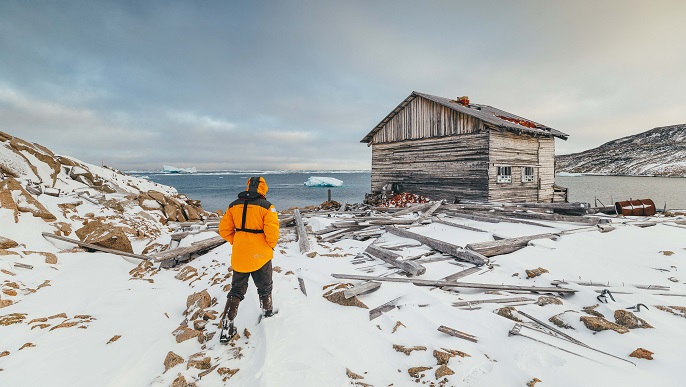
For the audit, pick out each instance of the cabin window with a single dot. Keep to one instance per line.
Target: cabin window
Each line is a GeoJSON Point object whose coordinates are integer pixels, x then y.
{"type": "Point", "coordinates": [527, 174]}
{"type": "Point", "coordinates": [504, 175]}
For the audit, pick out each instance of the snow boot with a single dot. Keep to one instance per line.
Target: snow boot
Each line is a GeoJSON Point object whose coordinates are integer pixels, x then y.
{"type": "Point", "coordinates": [266, 305]}
{"type": "Point", "coordinates": [230, 311]}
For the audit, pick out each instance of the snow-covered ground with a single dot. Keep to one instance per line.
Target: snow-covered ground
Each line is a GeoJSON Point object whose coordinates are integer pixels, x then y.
{"type": "Point", "coordinates": [79, 318]}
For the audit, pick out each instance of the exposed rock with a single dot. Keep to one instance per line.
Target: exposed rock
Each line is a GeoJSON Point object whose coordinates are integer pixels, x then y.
{"type": "Point", "coordinates": [41, 153]}
{"type": "Point", "coordinates": [22, 201]}
{"type": "Point", "coordinates": [600, 324]}
{"type": "Point", "coordinates": [184, 333]}
{"type": "Point", "coordinates": [630, 320]}
{"type": "Point", "coordinates": [442, 371]}
{"type": "Point", "coordinates": [350, 374]}
{"type": "Point", "coordinates": [114, 338]}
{"type": "Point", "coordinates": [186, 273]}
{"type": "Point", "coordinates": [199, 325]}
{"type": "Point", "coordinates": [4, 353]}
{"type": "Point", "coordinates": [62, 228]}
{"type": "Point", "coordinates": [14, 318]}
{"type": "Point", "coordinates": [10, 292]}
{"type": "Point", "coordinates": [27, 345]}
{"type": "Point", "coordinates": [199, 300]}
{"type": "Point", "coordinates": [201, 364]}
{"type": "Point", "coordinates": [675, 310]}
{"type": "Point", "coordinates": [442, 357]}
{"type": "Point", "coordinates": [560, 322]}
{"type": "Point", "coordinates": [533, 382]}
{"type": "Point", "coordinates": [5, 303]}
{"type": "Point", "coordinates": [507, 313]}
{"type": "Point", "coordinates": [415, 371]}
{"type": "Point", "coordinates": [456, 352]}
{"type": "Point", "coordinates": [80, 173]}
{"type": "Point", "coordinates": [408, 350]}
{"type": "Point", "coordinates": [180, 381]}
{"type": "Point", "coordinates": [5, 137]}
{"type": "Point", "coordinates": [398, 325]}
{"type": "Point", "coordinates": [336, 296]}
{"type": "Point", "coordinates": [6, 243]}
{"type": "Point", "coordinates": [60, 315]}
{"type": "Point", "coordinates": [642, 353]}
{"type": "Point", "coordinates": [227, 373]}
{"type": "Point", "coordinates": [105, 235]}
{"type": "Point", "coordinates": [535, 272]}
{"type": "Point", "coordinates": [159, 196]}
{"type": "Point", "coordinates": [172, 360]}
{"type": "Point", "coordinates": [547, 300]}
{"type": "Point", "coordinates": [170, 212]}
{"type": "Point", "coordinates": [50, 258]}
{"type": "Point", "coordinates": [191, 213]}
{"type": "Point", "coordinates": [65, 325]}
{"type": "Point", "coordinates": [591, 310]}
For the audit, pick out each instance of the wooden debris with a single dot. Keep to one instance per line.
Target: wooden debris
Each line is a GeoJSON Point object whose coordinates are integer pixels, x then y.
{"type": "Point", "coordinates": [363, 288]}
{"type": "Point", "coordinates": [444, 247]}
{"type": "Point", "coordinates": [492, 301]}
{"type": "Point", "coordinates": [23, 265]}
{"type": "Point", "coordinates": [410, 267]}
{"type": "Point", "coordinates": [457, 284]}
{"type": "Point", "coordinates": [94, 247]}
{"type": "Point", "coordinates": [458, 334]}
{"type": "Point", "coordinates": [387, 307]}
{"type": "Point", "coordinates": [182, 254]}
{"type": "Point", "coordinates": [415, 208]}
{"type": "Point", "coordinates": [461, 274]}
{"type": "Point", "coordinates": [453, 224]}
{"type": "Point", "coordinates": [506, 246]}
{"type": "Point", "coordinates": [302, 233]}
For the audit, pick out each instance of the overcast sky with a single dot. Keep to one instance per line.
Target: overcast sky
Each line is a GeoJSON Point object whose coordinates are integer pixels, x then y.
{"type": "Point", "coordinates": [297, 84]}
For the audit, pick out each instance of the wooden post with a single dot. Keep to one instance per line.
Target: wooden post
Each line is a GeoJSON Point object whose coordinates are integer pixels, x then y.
{"type": "Point", "coordinates": [329, 196]}
{"type": "Point", "coordinates": [302, 233]}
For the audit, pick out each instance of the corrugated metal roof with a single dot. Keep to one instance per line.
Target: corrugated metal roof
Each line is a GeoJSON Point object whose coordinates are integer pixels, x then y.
{"type": "Point", "coordinates": [485, 113]}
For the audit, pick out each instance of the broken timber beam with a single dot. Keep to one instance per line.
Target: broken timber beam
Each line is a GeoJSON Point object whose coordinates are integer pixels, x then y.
{"type": "Point", "coordinates": [462, 226]}
{"type": "Point", "coordinates": [411, 209]}
{"type": "Point", "coordinates": [302, 234]}
{"type": "Point", "coordinates": [427, 213]}
{"type": "Point", "coordinates": [364, 287]}
{"type": "Point", "coordinates": [492, 301]}
{"type": "Point", "coordinates": [410, 267]}
{"type": "Point", "coordinates": [505, 246]}
{"type": "Point", "coordinates": [95, 247]}
{"type": "Point", "coordinates": [182, 252]}
{"type": "Point", "coordinates": [458, 334]}
{"type": "Point", "coordinates": [469, 285]}
{"type": "Point", "coordinates": [444, 247]}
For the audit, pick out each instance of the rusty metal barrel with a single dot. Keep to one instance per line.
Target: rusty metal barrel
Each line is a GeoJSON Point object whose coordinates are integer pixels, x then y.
{"type": "Point", "coordinates": [642, 207]}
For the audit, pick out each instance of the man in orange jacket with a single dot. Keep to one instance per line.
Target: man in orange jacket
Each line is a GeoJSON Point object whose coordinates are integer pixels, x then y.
{"type": "Point", "coordinates": [251, 225]}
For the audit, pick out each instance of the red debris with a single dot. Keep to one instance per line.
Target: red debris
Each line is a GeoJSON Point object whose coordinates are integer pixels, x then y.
{"type": "Point", "coordinates": [525, 123]}
{"type": "Point", "coordinates": [464, 100]}
{"type": "Point", "coordinates": [403, 199]}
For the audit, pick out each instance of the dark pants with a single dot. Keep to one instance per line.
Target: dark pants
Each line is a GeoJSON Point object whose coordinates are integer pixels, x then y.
{"type": "Point", "coordinates": [262, 278]}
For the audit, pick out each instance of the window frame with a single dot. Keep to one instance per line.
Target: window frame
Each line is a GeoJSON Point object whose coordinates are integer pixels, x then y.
{"type": "Point", "coordinates": [528, 178]}
{"type": "Point", "coordinates": [502, 176]}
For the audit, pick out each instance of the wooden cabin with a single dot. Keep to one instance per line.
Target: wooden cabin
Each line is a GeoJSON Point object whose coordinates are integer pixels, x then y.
{"type": "Point", "coordinates": [452, 149]}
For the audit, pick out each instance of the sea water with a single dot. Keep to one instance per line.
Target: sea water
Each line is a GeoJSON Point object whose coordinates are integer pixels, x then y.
{"type": "Point", "coordinates": [216, 189]}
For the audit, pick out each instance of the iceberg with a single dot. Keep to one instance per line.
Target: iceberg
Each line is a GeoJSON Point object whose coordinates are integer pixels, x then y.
{"type": "Point", "coordinates": [315, 181]}
{"type": "Point", "coordinates": [170, 169]}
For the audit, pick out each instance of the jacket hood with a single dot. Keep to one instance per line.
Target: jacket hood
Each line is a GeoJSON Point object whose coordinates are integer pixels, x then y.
{"type": "Point", "coordinates": [262, 188]}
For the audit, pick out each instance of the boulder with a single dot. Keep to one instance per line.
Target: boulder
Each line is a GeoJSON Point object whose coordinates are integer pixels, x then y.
{"type": "Point", "coordinates": [5, 137]}
{"type": "Point", "coordinates": [200, 300]}
{"type": "Point", "coordinates": [191, 213]}
{"type": "Point", "coordinates": [41, 153]}
{"type": "Point", "coordinates": [184, 333]}
{"type": "Point", "coordinates": [22, 201]}
{"type": "Point", "coordinates": [170, 212]}
{"type": "Point", "coordinates": [629, 320]}
{"type": "Point", "coordinates": [105, 235]}
{"type": "Point", "coordinates": [6, 243]}
{"type": "Point", "coordinates": [159, 196]}
{"type": "Point", "coordinates": [78, 170]}
{"type": "Point", "coordinates": [598, 324]}
{"type": "Point", "coordinates": [172, 360]}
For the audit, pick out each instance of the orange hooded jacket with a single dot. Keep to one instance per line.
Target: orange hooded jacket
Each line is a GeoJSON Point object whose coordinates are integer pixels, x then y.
{"type": "Point", "coordinates": [253, 242]}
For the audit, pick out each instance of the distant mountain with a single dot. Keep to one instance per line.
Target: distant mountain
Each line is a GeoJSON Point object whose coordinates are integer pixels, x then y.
{"type": "Point", "coordinates": [657, 152]}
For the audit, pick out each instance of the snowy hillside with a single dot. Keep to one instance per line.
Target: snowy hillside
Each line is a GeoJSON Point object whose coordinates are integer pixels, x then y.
{"type": "Point", "coordinates": [657, 152]}
{"type": "Point", "coordinates": [69, 317]}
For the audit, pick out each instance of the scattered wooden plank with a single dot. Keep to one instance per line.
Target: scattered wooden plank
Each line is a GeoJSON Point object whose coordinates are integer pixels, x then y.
{"type": "Point", "coordinates": [462, 226]}
{"type": "Point", "coordinates": [461, 274]}
{"type": "Point", "coordinates": [94, 247]}
{"type": "Point", "coordinates": [469, 285]}
{"type": "Point", "coordinates": [23, 265]}
{"type": "Point", "coordinates": [458, 334]}
{"type": "Point", "coordinates": [379, 310]}
{"type": "Point", "coordinates": [492, 301]}
{"type": "Point", "coordinates": [410, 267]}
{"type": "Point", "coordinates": [335, 235]}
{"type": "Point", "coordinates": [480, 218]}
{"type": "Point", "coordinates": [426, 214]}
{"type": "Point", "coordinates": [301, 283]}
{"type": "Point", "coordinates": [180, 253]}
{"type": "Point", "coordinates": [363, 288]}
{"type": "Point", "coordinates": [302, 233]}
{"type": "Point", "coordinates": [283, 222]}
{"type": "Point", "coordinates": [444, 247]}
{"type": "Point", "coordinates": [505, 246]}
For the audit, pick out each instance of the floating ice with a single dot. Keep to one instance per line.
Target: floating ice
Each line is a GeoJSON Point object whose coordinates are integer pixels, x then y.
{"type": "Point", "coordinates": [315, 181]}
{"type": "Point", "coordinates": [170, 169]}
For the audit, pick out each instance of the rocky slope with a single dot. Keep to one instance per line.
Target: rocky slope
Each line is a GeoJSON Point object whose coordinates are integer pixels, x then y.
{"type": "Point", "coordinates": [98, 205]}
{"type": "Point", "coordinates": [657, 152]}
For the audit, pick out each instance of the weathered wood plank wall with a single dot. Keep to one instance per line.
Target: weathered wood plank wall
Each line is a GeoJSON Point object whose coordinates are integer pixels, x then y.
{"type": "Point", "coordinates": [518, 151]}
{"type": "Point", "coordinates": [422, 118]}
{"type": "Point", "coordinates": [439, 168]}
